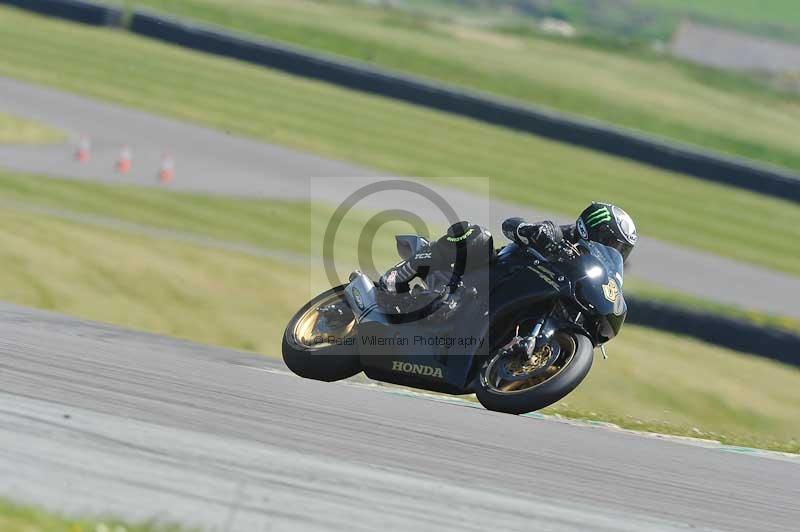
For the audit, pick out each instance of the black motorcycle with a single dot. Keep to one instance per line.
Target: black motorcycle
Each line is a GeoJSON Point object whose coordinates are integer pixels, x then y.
{"type": "Point", "coordinates": [521, 334]}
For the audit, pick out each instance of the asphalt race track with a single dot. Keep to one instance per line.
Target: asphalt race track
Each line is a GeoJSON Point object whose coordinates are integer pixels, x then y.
{"type": "Point", "coordinates": [216, 162]}
{"type": "Point", "coordinates": [98, 419]}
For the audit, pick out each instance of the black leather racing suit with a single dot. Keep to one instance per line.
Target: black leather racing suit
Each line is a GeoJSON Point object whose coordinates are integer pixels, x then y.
{"type": "Point", "coordinates": [543, 236]}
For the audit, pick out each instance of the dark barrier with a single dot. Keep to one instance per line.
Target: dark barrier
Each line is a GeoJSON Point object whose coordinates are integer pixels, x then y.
{"type": "Point", "coordinates": [75, 10]}
{"type": "Point", "coordinates": [734, 334]}
{"type": "Point", "coordinates": [596, 136]}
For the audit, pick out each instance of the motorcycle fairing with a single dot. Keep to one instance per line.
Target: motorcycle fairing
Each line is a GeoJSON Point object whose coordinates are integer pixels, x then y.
{"type": "Point", "coordinates": [424, 353]}
{"type": "Point", "coordinates": [598, 278]}
{"type": "Point", "coordinates": [521, 284]}
{"type": "Point", "coordinates": [392, 352]}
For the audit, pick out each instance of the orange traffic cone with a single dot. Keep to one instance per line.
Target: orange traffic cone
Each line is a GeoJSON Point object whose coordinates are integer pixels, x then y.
{"type": "Point", "coordinates": [125, 160]}
{"type": "Point", "coordinates": [167, 171]}
{"type": "Point", "coordinates": [84, 152]}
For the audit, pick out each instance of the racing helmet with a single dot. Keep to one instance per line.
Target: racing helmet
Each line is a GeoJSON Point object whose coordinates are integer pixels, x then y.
{"type": "Point", "coordinates": [609, 225]}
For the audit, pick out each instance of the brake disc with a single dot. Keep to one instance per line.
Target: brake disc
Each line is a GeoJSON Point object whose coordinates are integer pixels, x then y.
{"type": "Point", "coordinates": [519, 367]}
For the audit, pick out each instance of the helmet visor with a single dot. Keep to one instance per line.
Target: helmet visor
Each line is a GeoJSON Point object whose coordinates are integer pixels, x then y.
{"type": "Point", "coordinates": [624, 248]}
{"type": "Point", "coordinates": [625, 224]}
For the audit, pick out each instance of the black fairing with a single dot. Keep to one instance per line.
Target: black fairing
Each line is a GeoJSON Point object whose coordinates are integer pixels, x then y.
{"type": "Point", "coordinates": [519, 284]}
{"type": "Point", "coordinates": [518, 281]}
{"type": "Point", "coordinates": [598, 288]}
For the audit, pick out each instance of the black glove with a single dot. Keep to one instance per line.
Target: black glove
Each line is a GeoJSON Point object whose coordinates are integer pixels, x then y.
{"type": "Point", "coordinates": [545, 236]}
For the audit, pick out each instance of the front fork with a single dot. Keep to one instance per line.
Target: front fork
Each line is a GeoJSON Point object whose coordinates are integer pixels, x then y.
{"type": "Point", "coordinates": [543, 331]}
{"type": "Point", "coordinates": [538, 338]}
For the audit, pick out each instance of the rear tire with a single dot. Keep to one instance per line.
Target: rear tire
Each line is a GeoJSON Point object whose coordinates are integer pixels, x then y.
{"type": "Point", "coordinates": [327, 363]}
{"type": "Point", "coordinates": [548, 392]}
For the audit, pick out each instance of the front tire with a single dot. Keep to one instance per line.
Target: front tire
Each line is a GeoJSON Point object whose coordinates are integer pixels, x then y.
{"type": "Point", "coordinates": [536, 396]}
{"type": "Point", "coordinates": [322, 361]}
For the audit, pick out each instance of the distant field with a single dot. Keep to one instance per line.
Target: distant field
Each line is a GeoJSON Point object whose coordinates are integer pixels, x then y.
{"type": "Point", "coordinates": [633, 19]}
{"type": "Point", "coordinates": [637, 90]}
{"type": "Point", "coordinates": [398, 138]}
{"type": "Point", "coordinates": [15, 130]}
{"type": "Point", "coordinates": [780, 16]}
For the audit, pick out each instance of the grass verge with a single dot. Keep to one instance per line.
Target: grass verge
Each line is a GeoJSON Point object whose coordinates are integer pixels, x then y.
{"type": "Point", "coordinates": [659, 382]}
{"type": "Point", "coordinates": [16, 517]}
{"type": "Point", "coordinates": [193, 292]}
{"type": "Point", "coordinates": [653, 380]}
{"type": "Point", "coordinates": [15, 130]}
{"type": "Point", "coordinates": [639, 90]}
{"type": "Point", "coordinates": [399, 138]}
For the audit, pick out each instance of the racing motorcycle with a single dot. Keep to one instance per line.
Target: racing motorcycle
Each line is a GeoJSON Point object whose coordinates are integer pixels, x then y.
{"type": "Point", "coordinates": [521, 336]}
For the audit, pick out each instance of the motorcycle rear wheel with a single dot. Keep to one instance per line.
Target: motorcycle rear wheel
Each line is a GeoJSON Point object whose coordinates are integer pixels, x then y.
{"type": "Point", "coordinates": [317, 354]}
{"type": "Point", "coordinates": [520, 396]}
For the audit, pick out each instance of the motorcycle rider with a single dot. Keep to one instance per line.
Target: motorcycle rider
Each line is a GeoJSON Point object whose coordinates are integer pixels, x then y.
{"type": "Point", "coordinates": [600, 222]}
{"type": "Point", "coordinates": [466, 245]}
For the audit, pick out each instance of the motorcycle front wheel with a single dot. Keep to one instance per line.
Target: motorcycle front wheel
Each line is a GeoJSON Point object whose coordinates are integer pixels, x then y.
{"type": "Point", "coordinates": [516, 385]}
{"type": "Point", "coordinates": [316, 341]}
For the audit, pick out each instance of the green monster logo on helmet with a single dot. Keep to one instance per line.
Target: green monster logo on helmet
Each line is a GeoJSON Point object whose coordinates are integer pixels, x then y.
{"type": "Point", "coordinates": [598, 217]}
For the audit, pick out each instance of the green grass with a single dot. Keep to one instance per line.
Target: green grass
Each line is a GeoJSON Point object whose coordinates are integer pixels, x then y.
{"type": "Point", "coordinates": [15, 517]}
{"type": "Point", "coordinates": [638, 90]}
{"type": "Point", "coordinates": [395, 137]}
{"type": "Point", "coordinates": [206, 294]}
{"type": "Point", "coordinates": [15, 130]}
{"type": "Point", "coordinates": [158, 285]}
